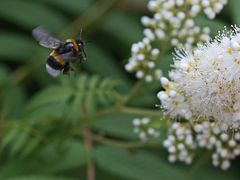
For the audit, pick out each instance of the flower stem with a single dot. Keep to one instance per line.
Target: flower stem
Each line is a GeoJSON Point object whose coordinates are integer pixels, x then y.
{"type": "Point", "coordinates": [88, 143]}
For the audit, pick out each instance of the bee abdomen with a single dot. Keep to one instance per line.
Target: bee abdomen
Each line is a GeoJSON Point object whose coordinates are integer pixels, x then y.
{"type": "Point", "coordinates": [53, 63]}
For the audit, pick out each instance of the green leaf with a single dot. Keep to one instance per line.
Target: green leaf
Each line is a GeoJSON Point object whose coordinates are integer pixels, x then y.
{"type": "Point", "coordinates": [234, 11]}
{"type": "Point", "coordinates": [139, 166]}
{"type": "Point", "coordinates": [52, 111]}
{"type": "Point", "coordinates": [75, 111]}
{"type": "Point", "coordinates": [70, 98]}
{"type": "Point", "coordinates": [215, 26]}
{"type": "Point", "coordinates": [9, 136]}
{"type": "Point", "coordinates": [90, 103]}
{"type": "Point", "coordinates": [31, 146]}
{"type": "Point", "coordinates": [16, 47]}
{"type": "Point", "coordinates": [82, 82]}
{"type": "Point", "coordinates": [93, 83]}
{"type": "Point", "coordinates": [127, 30]}
{"type": "Point", "coordinates": [4, 74]}
{"type": "Point", "coordinates": [40, 177]}
{"type": "Point", "coordinates": [31, 14]}
{"type": "Point", "coordinates": [116, 125]}
{"type": "Point", "coordinates": [165, 63]}
{"type": "Point", "coordinates": [71, 6]}
{"type": "Point", "coordinates": [12, 102]}
{"type": "Point", "coordinates": [19, 141]}
{"type": "Point", "coordinates": [91, 95]}
{"type": "Point", "coordinates": [46, 162]}
{"type": "Point", "coordinates": [52, 94]}
{"type": "Point", "coordinates": [103, 64]}
{"type": "Point", "coordinates": [75, 156]}
{"type": "Point", "coordinates": [145, 165]}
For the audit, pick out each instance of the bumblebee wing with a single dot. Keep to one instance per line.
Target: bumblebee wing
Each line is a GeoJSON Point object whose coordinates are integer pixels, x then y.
{"type": "Point", "coordinates": [45, 39]}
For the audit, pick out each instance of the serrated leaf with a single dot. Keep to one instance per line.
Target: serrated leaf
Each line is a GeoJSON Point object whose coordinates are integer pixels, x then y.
{"type": "Point", "coordinates": [81, 82]}
{"type": "Point", "coordinates": [31, 145]}
{"type": "Point", "coordinates": [93, 83]}
{"type": "Point", "coordinates": [91, 95]}
{"type": "Point", "coordinates": [75, 110]}
{"type": "Point", "coordinates": [9, 136]}
{"type": "Point", "coordinates": [52, 110]}
{"type": "Point", "coordinates": [53, 94]}
{"type": "Point", "coordinates": [19, 141]}
{"type": "Point", "coordinates": [103, 99]}
{"type": "Point", "coordinates": [90, 102]}
{"type": "Point", "coordinates": [105, 83]}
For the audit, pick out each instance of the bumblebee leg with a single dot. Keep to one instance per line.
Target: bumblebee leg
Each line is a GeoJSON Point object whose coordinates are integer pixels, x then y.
{"type": "Point", "coordinates": [67, 69]}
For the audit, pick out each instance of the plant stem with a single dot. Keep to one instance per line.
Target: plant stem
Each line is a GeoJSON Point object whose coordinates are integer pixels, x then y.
{"type": "Point", "coordinates": [134, 91]}
{"type": "Point", "coordinates": [133, 7]}
{"type": "Point", "coordinates": [130, 111]}
{"type": "Point", "coordinates": [88, 142]}
{"type": "Point", "coordinates": [122, 144]}
{"type": "Point", "coordinates": [141, 111]}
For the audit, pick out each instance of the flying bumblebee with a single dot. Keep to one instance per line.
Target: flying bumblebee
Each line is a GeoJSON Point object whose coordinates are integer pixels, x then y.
{"type": "Point", "coordinates": [63, 53]}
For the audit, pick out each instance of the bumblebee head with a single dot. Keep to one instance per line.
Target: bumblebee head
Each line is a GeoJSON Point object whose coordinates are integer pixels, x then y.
{"type": "Point", "coordinates": [74, 44]}
{"type": "Point", "coordinates": [81, 45]}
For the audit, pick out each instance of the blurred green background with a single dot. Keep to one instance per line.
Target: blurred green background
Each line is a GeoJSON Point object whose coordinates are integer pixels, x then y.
{"type": "Point", "coordinates": [42, 134]}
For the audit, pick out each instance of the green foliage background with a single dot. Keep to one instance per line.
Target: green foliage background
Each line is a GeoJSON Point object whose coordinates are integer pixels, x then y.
{"type": "Point", "coordinates": [45, 122]}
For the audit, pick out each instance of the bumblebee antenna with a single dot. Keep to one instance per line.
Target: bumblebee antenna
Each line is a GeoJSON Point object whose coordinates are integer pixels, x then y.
{"type": "Point", "coordinates": [87, 42]}
{"type": "Point", "coordinates": [80, 34]}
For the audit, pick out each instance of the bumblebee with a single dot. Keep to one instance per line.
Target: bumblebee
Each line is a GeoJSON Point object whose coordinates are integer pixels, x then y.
{"type": "Point", "coordinates": [63, 53]}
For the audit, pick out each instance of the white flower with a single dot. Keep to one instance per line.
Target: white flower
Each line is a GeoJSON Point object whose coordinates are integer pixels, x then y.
{"type": "Point", "coordinates": [176, 18]}
{"type": "Point", "coordinates": [207, 82]}
{"type": "Point", "coordinates": [179, 143]}
{"type": "Point", "coordinates": [172, 21]}
{"type": "Point", "coordinates": [143, 60]}
{"type": "Point", "coordinates": [144, 129]}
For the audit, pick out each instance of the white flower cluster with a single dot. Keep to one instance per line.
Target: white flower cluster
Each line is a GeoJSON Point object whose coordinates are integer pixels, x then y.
{"type": "Point", "coordinates": [194, 7]}
{"type": "Point", "coordinates": [144, 129]}
{"type": "Point", "coordinates": [173, 26]}
{"type": "Point", "coordinates": [172, 101]}
{"type": "Point", "coordinates": [184, 139]}
{"type": "Point", "coordinates": [205, 91]}
{"type": "Point", "coordinates": [224, 143]}
{"type": "Point", "coordinates": [180, 143]}
{"type": "Point", "coordinates": [206, 82]}
{"type": "Point", "coordinates": [175, 17]}
{"type": "Point", "coordinates": [143, 61]}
